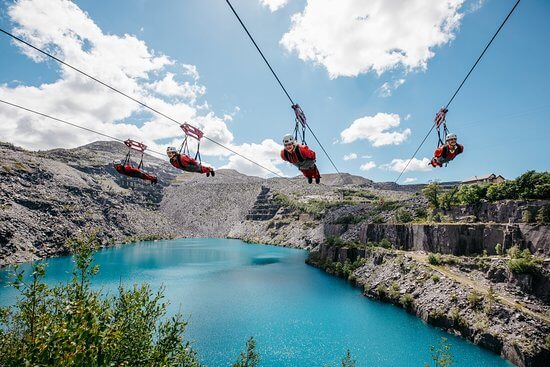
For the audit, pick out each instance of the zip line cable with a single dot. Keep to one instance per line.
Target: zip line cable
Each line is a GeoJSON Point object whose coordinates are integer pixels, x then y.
{"type": "Point", "coordinates": [130, 97]}
{"type": "Point", "coordinates": [460, 86]}
{"type": "Point", "coordinates": [70, 123]}
{"type": "Point", "coordinates": [115, 138]}
{"type": "Point", "coordinates": [280, 83]}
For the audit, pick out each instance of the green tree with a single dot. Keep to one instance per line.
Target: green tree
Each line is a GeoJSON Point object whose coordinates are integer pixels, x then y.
{"type": "Point", "coordinates": [248, 358]}
{"type": "Point", "coordinates": [498, 249]}
{"type": "Point", "coordinates": [347, 361]}
{"type": "Point", "coordinates": [449, 198]}
{"type": "Point", "coordinates": [72, 325]}
{"type": "Point", "coordinates": [543, 215]}
{"type": "Point", "coordinates": [441, 354]}
{"type": "Point", "coordinates": [472, 194]}
{"type": "Point", "coordinates": [432, 192]}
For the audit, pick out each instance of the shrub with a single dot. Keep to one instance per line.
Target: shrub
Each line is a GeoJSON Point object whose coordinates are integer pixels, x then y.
{"type": "Point", "coordinates": [381, 290]}
{"type": "Point", "coordinates": [420, 214]}
{"type": "Point", "coordinates": [249, 358]}
{"type": "Point", "coordinates": [472, 194]}
{"type": "Point", "coordinates": [543, 215]}
{"type": "Point", "coordinates": [514, 252]}
{"type": "Point", "coordinates": [347, 361]}
{"type": "Point", "coordinates": [406, 301]}
{"type": "Point", "coordinates": [393, 291]}
{"type": "Point", "coordinates": [432, 192]}
{"type": "Point", "coordinates": [434, 259]}
{"type": "Point", "coordinates": [498, 249]}
{"type": "Point", "coordinates": [474, 299]}
{"type": "Point", "coordinates": [336, 241]}
{"type": "Point", "coordinates": [73, 325]}
{"type": "Point", "coordinates": [435, 278]}
{"type": "Point", "coordinates": [385, 243]}
{"type": "Point", "coordinates": [403, 216]}
{"type": "Point", "coordinates": [522, 262]}
{"type": "Point", "coordinates": [449, 198]}
{"type": "Point", "coordinates": [527, 216]}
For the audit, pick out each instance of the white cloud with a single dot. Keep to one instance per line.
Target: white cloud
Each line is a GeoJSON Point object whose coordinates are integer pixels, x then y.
{"type": "Point", "coordinates": [398, 165]}
{"type": "Point", "coordinates": [171, 88]}
{"type": "Point", "coordinates": [387, 88]}
{"type": "Point", "coordinates": [366, 156]}
{"type": "Point", "coordinates": [267, 153]}
{"type": "Point", "coordinates": [407, 117]}
{"type": "Point", "coordinates": [191, 70]}
{"type": "Point", "coordinates": [273, 5]}
{"type": "Point", "coordinates": [65, 30]}
{"type": "Point", "coordinates": [349, 157]}
{"type": "Point", "coordinates": [475, 6]}
{"type": "Point", "coordinates": [367, 166]}
{"type": "Point", "coordinates": [353, 37]}
{"type": "Point", "coordinates": [411, 179]}
{"type": "Point", "coordinates": [375, 129]}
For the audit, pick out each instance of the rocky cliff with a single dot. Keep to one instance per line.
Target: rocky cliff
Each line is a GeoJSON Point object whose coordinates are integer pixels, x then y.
{"type": "Point", "coordinates": [477, 299]}
{"type": "Point", "coordinates": [47, 197]}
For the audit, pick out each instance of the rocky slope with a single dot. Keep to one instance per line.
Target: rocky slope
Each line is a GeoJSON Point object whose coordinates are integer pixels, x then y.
{"type": "Point", "coordinates": [47, 197]}
{"type": "Point", "coordinates": [476, 299]}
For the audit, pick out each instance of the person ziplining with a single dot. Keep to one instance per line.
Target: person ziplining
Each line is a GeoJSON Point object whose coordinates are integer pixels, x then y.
{"type": "Point", "coordinates": [299, 154]}
{"type": "Point", "coordinates": [182, 159]}
{"type": "Point", "coordinates": [125, 167]}
{"type": "Point", "coordinates": [448, 150]}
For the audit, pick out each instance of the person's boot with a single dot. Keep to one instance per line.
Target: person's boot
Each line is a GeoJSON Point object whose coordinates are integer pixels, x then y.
{"type": "Point", "coordinates": [213, 173]}
{"type": "Point", "coordinates": [208, 174]}
{"type": "Point", "coordinates": [309, 180]}
{"type": "Point", "coordinates": [317, 180]}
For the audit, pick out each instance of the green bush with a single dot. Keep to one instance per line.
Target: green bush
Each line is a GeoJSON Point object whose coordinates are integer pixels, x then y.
{"type": "Point", "coordinates": [432, 192]}
{"type": "Point", "coordinates": [449, 198]}
{"type": "Point", "coordinates": [435, 278]}
{"type": "Point", "coordinates": [73, 325]}
{"type": "Point", "coordinates": [543, 215]}
{"type": "Point", "coordinates": [393, 291]}
{"type": "Point", "coordinates": [381, 290]}
{"type": "Point", "coordinates": [498, 249]}
{"type": "Point", "coordinates": [406, 301]}
{"type": "Point", "coordinates": [472, 194]}
{"type": "Point", "coordinates": [249, 358]}
{"type": "Point", "coordinates": [403, 216]}
{"type": "Point", "coordinates": [474, 299]}
{"type": "Point", "coordinates": [434, 259]}
{"type": "Point", "coordinates": [336, 241]}
{"type": "Point", "coordinates": [522, 262]}
{"type": "Point", "coordinates": [527, 216]}
{"type": "Point", "coordinates": [385, 243]}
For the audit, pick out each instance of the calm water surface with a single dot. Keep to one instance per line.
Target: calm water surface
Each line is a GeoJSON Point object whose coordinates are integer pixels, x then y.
{"type": "Point", "coordinates": [299, 315]}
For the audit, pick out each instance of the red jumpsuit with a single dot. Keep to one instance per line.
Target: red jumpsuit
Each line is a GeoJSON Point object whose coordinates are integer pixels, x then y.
{"type": "Point", "coordinates": [444, 154]}
{"type": "Point", "coordinates": [188, 164]}
{"type": "Point", "coordinates": [131, 171]}
{"type": "Point", "coordinates": [303, 158]}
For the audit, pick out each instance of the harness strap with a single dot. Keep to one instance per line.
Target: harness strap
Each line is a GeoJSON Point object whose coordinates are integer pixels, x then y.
{"type": "Point", "coordinates": [297, 152]}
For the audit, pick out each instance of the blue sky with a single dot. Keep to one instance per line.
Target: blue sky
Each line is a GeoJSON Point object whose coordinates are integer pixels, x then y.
{"type": "Point", "coordinates": [219, 82]}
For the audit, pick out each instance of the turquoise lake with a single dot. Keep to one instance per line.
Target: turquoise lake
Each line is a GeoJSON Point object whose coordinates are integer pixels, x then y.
{"type": "Point", "coordinates": [299, 315]}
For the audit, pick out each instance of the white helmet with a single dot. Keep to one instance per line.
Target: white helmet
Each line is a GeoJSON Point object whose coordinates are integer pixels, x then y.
{"type": "Point", "coordinates": [288, 139]}
{"type": "Point", "coordinates": [450, 136]}
{"type": "Point", "coordinates": [117, 162]}
{"type": "Point", "coordinates": [171, 150]}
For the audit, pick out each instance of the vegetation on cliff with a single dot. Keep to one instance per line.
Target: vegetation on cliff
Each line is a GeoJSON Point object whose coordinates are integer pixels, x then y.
{"type": "Point", "coordinates": [529, 186]}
